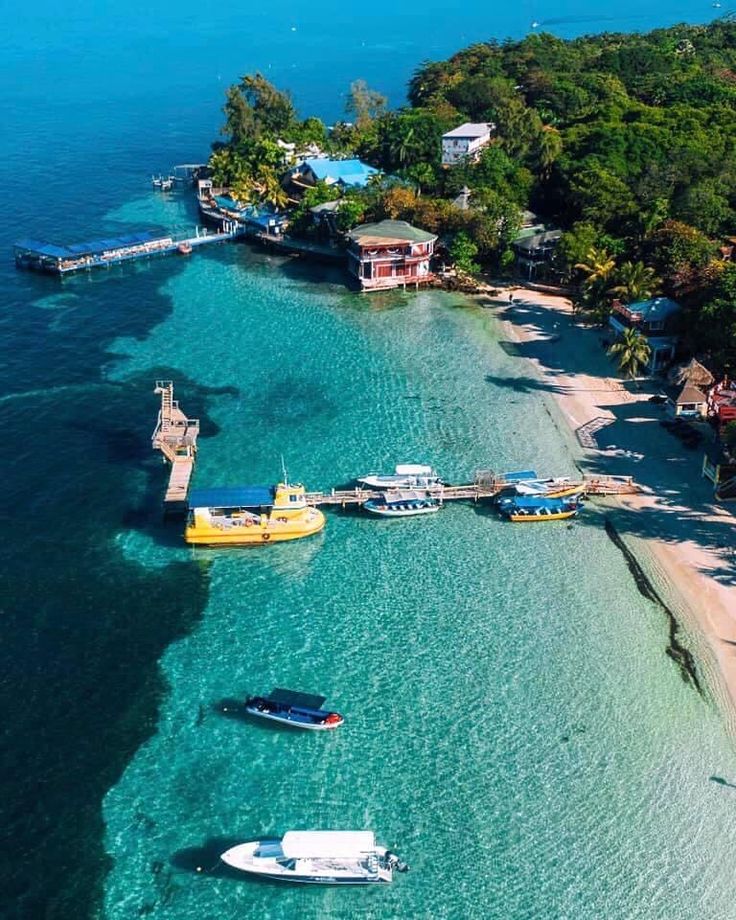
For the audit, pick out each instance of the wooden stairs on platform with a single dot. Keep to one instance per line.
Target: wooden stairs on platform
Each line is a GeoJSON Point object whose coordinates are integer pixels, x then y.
{"type": "Point", "coordinates": [175, 436]}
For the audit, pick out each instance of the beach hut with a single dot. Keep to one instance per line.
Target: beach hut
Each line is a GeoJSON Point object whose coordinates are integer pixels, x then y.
{"type": "Point", "coordinates": [692, 402]}
{"type": "Point", "coordinates": [695, 374]}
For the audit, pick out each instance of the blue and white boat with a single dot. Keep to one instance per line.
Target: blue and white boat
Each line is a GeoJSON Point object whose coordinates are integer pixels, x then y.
{"type": "Point", "coordinates": [399, 503]}
{"type": "Point", "coordinates": [317, 858]}
{"type": "Point", "coordinates": [522, 508]}
{"type": "Point", "coordinates": [299, 710]}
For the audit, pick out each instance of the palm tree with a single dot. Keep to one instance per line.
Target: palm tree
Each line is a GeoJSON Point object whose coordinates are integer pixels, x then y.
{"type": "Point", "coordinates": [599, 266]}
{"type": "Point", "coordinates": [400, 146]}
{"type": "Point", "coordinates": [633, 352]}
{"type": "Point", "coordinates": [550, 148]}
{"type": "Point", "coordinates": [636, 281]}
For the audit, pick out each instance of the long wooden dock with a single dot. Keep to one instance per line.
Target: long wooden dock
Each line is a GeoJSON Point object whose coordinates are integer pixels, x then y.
{"type": "Point", "coordinates": [486, 485]}
{"type": "Point", "coordinates": [175, 435]}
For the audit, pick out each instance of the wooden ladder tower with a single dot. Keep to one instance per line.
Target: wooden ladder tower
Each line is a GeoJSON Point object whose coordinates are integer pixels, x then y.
{"type": "Point", "coordinates": [175, 436]}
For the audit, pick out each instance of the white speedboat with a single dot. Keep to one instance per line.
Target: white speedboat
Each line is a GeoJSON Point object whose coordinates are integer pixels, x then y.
{"type": "Point", "coordinates": [402, 504]}
{"type": "Point", "coordinates": [405, 476]}
{"type": "Point", "coordinates": [317, 858]}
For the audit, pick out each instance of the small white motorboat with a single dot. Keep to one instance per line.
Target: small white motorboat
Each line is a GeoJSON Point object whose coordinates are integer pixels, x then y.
{"type": "Point", "coordinates": [405, 476]}
{"type": "Point", "coordinates": [317, 858]}
{"type": "Point", "coordinates": [403, 504]}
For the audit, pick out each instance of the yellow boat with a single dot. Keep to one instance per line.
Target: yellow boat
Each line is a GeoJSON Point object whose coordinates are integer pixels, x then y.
{"type": "Point", "coordinates": [246, 515]}
{"type": "Point", "coordinates": [544, 515]}
{"type": "Point", "coordinates": [565, 492]}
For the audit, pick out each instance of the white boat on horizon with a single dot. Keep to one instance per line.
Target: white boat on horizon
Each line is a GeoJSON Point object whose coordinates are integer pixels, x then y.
{"type": "Point", "coordinates": [405, 476]}
{"type": "Point", "coordinates": [317, 858]}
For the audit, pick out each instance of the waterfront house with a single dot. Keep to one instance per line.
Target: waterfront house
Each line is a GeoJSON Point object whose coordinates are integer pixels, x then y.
{"type": "Point", "coordinates": [344, 173]}
{"type": "Point", "coordinates": [653, 319]}
{"type": "Point", "coordinates": [464, 143]}
{"type": "Point", "coordinates": [390, 254]}
{"type": "Point", "coordinates": [534, 249]}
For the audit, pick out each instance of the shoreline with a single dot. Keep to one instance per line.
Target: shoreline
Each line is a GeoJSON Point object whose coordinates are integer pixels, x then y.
{"type": "Point", "coordinates": [673, 536]}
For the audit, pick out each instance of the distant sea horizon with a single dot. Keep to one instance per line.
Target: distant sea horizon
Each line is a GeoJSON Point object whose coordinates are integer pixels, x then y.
{"type": "Point", "coordinates": [116, 639]}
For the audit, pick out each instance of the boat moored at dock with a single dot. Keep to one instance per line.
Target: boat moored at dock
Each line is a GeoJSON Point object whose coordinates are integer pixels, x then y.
{"type": "Point", "coordinates": [560, 487]}
{"type": "Point", "coordinates": [405, 476]}
{"type": "Point", "coordinates": [317, 858]}
{"type": "Point", "coordinates": [403, 503]}
{"type": "Point", "coordinates": [528, 508]}
{"type": "Point", "coordinates": [251, 515]}
{"type": "Point", "coordinates": [298, 710]}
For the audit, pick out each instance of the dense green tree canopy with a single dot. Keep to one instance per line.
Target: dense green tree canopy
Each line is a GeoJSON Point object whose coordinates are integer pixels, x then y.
{"type": "Point", "coordinates": [626, 142]}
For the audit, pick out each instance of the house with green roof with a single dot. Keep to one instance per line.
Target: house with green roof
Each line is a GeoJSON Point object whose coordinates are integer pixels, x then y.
{"type": "Point", "coordinates": [389, 254]}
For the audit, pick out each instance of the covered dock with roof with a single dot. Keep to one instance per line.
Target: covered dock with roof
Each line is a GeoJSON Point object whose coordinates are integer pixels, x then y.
{"type": "Point", "coordinates": [39, 255]}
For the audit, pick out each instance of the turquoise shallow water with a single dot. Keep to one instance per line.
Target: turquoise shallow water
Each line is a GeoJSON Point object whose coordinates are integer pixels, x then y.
{"type": "Point", "coordinates": [548, 629]}
{"type": "Point", "coordinates": [513, 724]}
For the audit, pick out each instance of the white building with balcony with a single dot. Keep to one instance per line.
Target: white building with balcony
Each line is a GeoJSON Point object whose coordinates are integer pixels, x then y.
{"type": "Point", "coordinates": [465, 143]}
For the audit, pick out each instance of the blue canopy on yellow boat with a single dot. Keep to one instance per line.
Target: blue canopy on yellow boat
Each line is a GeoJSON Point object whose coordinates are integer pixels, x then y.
{"type": "Point", "coordinates": [232, 497]}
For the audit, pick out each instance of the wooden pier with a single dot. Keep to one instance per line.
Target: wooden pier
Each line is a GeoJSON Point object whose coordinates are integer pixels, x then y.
{"type": "Point", "coordinates": [175, 436]}
{"type": "Point", "coordinates": [486, 485]}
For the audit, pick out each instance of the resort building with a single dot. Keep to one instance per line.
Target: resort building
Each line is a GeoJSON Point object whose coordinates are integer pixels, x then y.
{"type": "Point", "coordinates": [390, 254]}
{"type": "Point", "coordinates": [653, 319]}
{"type": "Point", "coordinates": [345, 173]}
{"type": "Point", "coordinates": [465, 143]}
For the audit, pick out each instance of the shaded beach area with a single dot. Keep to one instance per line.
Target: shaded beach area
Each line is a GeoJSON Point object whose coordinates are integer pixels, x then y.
{"type": "Point", "coordinates": [683, 539]}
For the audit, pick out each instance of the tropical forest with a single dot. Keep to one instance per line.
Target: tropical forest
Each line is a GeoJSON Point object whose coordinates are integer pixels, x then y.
{"type": "Point", "coordinates": [626, 143]}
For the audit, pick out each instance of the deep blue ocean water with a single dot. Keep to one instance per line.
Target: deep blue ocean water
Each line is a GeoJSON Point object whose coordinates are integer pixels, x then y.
{"type": "Point", "coordinates": [115, 637]}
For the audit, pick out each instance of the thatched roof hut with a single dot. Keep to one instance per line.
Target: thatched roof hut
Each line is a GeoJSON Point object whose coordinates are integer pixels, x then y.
{"type": "Point", "coordinates": [695, 375]}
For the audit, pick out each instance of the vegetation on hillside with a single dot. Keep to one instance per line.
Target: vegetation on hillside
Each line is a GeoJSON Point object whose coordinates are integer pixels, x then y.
{"type": "Point", "coordinates": [626, 142]}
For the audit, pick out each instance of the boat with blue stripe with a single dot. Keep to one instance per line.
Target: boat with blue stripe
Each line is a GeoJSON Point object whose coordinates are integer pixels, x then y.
{"type": "Point", "coordinates": [289, 707]}
{"type": "Point", "coordinates": [527, 508]}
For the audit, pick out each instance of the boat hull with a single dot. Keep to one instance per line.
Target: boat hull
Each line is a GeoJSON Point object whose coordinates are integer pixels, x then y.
{"type": "Point", "coordinates": [530, 518]}
{"type": "Point", "coordinates": [322, 880]}
{"type": "Point", "coordinates": [256, 534]}
{"type": "Point", "coordinates": [293, 722]}
{"type": "Point", "coordinates": [400, 482]}
{"type": "Point", "coordinates": [393, 513]}
{"type": "Point", "coordinates": [245, 858]}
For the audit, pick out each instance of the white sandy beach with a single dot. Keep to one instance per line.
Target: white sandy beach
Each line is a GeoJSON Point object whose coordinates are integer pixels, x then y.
{"type": "Point", "coordinates": [689, 539]}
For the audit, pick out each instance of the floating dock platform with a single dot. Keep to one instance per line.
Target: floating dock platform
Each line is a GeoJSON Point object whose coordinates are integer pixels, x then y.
{"type": "Point", "coordinates": [175, 436]}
